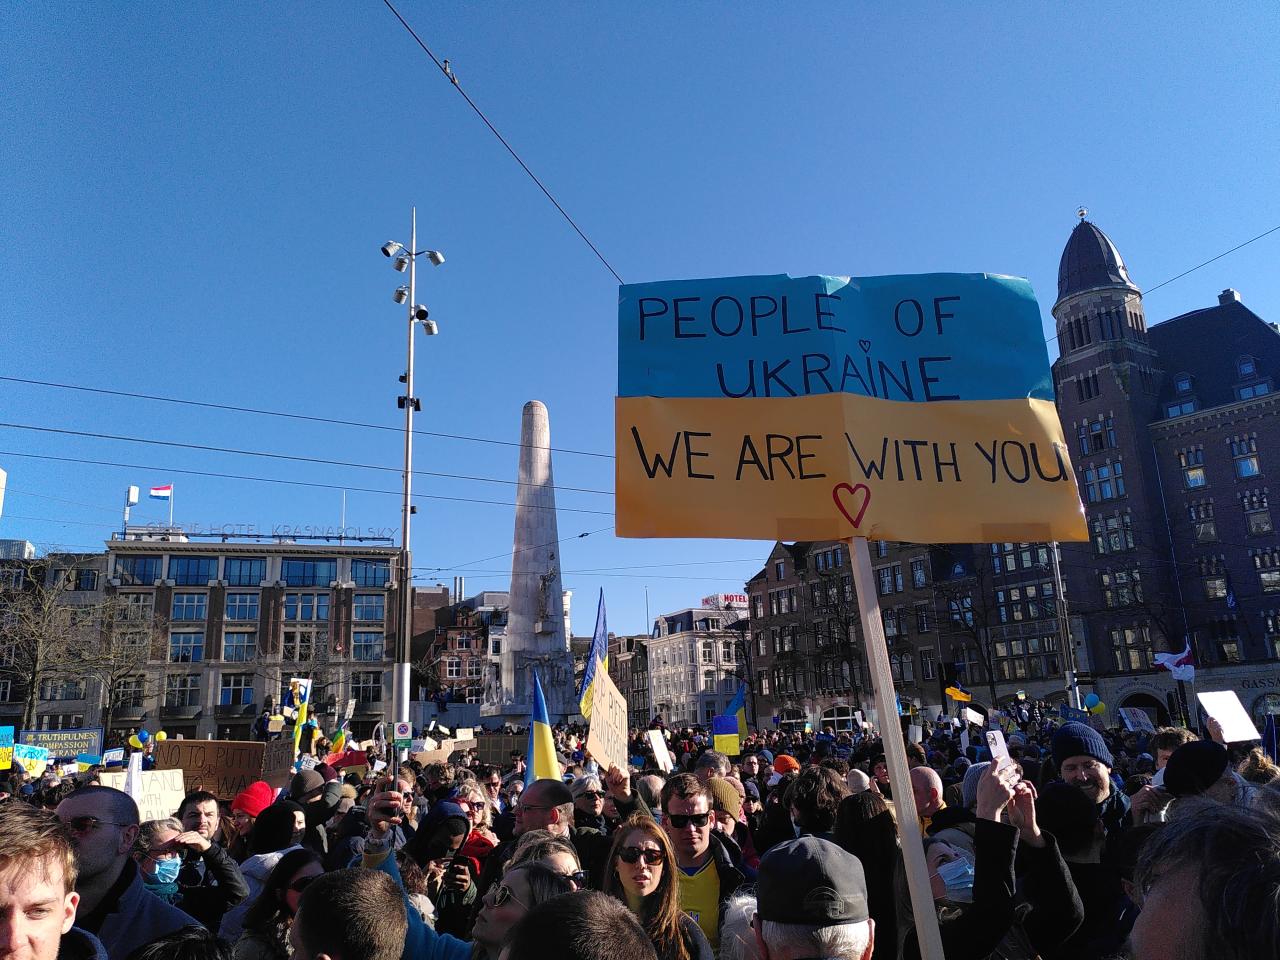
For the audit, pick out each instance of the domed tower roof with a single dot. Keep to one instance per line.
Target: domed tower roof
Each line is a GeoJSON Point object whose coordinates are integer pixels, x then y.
{"type": "Point", "coordinates": [1090, 260]}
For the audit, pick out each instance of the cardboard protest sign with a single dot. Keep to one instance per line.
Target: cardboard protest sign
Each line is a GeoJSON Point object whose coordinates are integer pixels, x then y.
{"type": "Point", "coordinates": [607, 735]}
{"type": "Point", "coordinates": [1225, 707]}
{"type": "Point", "coordinates": [1136, 720]}
{"type": "Point", "coordinates": [226, 767]}
{"type": "Point", "coordinates": [498, 749]}
{"type": "Point", "coordinates": [6, 748]}
{"type": "Point", "coordinates": [661, 755]}
{"type": "Point", "coordinates": [65, 743]}
{"type": "Point", "coordinates": [913, 408]}
{"type": "Point", "coordinates": [34, 760]}
{"type": "Point", "coordinates": [159, 794]}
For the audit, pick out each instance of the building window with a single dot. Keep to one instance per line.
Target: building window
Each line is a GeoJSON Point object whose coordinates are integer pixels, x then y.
{"type": "Point", "coordinates": [369, 607]}
{"type": "Point", "coordinates": [757, 606]}
{"type": "Point", "coordinates": [244, 571]}
{"type": "Point", "coordinates": [61, 690]}
{"type": "Point", "coordinates": [1192, 461]}
{"type": "Point", "coordinates": [236, 690]}
{"type": "Point", "coordinates": [902, 667]}
{"type": "Point", "coordinates": [193, 571]}
{"type": "Point", "coordinates": [1215, 588]}
{"type": "Point", "coordinates": [1224, 635]}
{"type": "Point", "coordinates": [452, 668]}
{"type": "Point", "coordinates": [1270, 580]}
{"type": "Point", "coordinates": [928, 665]}
{"type": "Point", "coordinates": [1112, 534]}
{"type": "Point", "coordinates": [890, 618]}
{"type": "Point", "coordinates": [1131, 647]}
{"type": "Point", "coordinates": [239, 647]}
{"type": "Point", "coordinates": [1246, 367]}
{"type": "Point", "coordinates": [1182, 383]}
{"type": "Point", "coordinates": [186, 647]}
{"type": "Point", "coordinates": [190, 606]}
{"type": "Point", "coordinates": [300, 644]}
{"type": "Point", "coordinates": [367, 647]}
{"type": "Point", "coordinates": [83, 579]}
{"type": "Point", "coordinates": [299, 572]}
{"type": "Point", "coordinates": [242, 606]}
{"type": "Point", "coordinates": [473, 667]}
{"type": "Point", "coordinates": [761, 644]}
{"type": "Point", "coordinates": [889, 579]}
{"type": "Point", "coordinates": [1105, 482]}
{"type": "Point", "coordinates": [371, 573]}
{"type": "Point", "coordinates": [922, 618]}
{"type": "Point", "coordinates": [1249, 391]}
{"type": "Point", "coordinates": [129, 693]}
{"type": "Point", "coordinates": [306, 606]}
{"type": "Point", "coordinates": [1179, 409]}
{"type": "Point", "coordinates": [1257, 515]}
{"type": "Point", "coordinates": [137, 571]}
{"type": "Point", "coordinates": [183, 691]}
{"type": "Point", "coordinates": [882, 549]}
{"type": "Point", "coordinates": [366, 686]}
{"type": "Point", "coordinates": [135, 607]}
{"type": "Point", "coordinates": [846, 583]}
{"type": "Point", "coordinates": [1121, 588]}
{"type": "Point", "coordinates": [779, 570]}
{"type": "Point", "coordinates": [1096, 435]}
{"type": "Point", "coordinates": [726, 651]}
{"type": "Point", "coordinates": [1245, 453]}
{"type": "Point", "coordinates": [919, 573]}
{"type": "Point", "coordinates": [708, 652]}
{"type": "Point", "coordinates": [960, 610]}
{"type": "Point", "coordinates": [1202, 521]}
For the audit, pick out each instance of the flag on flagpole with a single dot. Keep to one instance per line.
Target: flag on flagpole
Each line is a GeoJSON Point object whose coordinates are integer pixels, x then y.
{"type": "Point", "coordinates": [959, 693]}
{"type": "Point", "coordinates": [725, 731]}
{"type": "Point", "coordinates": [300, 694]}
{"type": "Point", "coordinates": [162, 493]}
{"type": "Point", "coordinates": [738, 710]}
{"type": "Point", "coordinates": [541, 753]}
{"type": "Point", "coordinates": [597, 659]}
{"type": "Point", "coordinates": [1181, 665]}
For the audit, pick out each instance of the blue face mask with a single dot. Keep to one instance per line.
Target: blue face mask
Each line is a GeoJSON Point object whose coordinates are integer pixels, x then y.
{"type": "Point", "coordinates": [957, 875]}
{"type": "Point", "coordinates": [167, 871]}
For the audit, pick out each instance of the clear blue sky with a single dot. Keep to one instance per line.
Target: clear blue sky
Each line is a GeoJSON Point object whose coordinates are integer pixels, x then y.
{"type": "Point", "coordinates": [192, 199]}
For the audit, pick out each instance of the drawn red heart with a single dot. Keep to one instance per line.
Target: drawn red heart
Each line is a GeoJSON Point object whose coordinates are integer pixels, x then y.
{"type": "Point", "coordinates": [853, 490]}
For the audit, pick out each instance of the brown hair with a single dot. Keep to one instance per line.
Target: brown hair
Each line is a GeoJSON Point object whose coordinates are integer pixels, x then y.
{"type": "Point", "coordinates": [36, 836]}
{"type": "Point", "coordinates": [1170, 738]}
{"type": "Point", "coordinates": [685, 786]}
{"type": "Point", "coordinates": [354, 914]}
{"type": "Point", "coordinates": [660, 912]}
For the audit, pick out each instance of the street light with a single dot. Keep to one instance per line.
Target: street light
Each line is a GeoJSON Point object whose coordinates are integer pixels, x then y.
{"type": "Point", "coordinates": [407, 259]}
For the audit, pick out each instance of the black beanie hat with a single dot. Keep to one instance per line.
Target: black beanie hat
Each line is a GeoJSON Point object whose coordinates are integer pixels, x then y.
{"type": "Point", "coordinates": [1080, 740]}
{"type": "Point", "coordinates": [1195, 767]}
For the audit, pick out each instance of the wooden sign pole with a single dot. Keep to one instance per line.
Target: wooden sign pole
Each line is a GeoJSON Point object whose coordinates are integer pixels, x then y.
{"type": "Point", "coordinates": [895, 752]}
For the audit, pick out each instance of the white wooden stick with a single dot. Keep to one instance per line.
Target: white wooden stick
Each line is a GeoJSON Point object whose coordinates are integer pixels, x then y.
{"type": "Point", "coordinates": [895, 753]}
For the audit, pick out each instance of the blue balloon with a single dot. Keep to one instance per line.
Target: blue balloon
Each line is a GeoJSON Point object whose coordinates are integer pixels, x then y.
{"type": "Point", "coordinates": [144, 736]}
{"type": "Point", "coordinates": [1092, 700]}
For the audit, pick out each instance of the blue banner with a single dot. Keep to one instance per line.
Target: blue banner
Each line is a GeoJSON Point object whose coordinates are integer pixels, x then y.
{"type": "Point", "coordinates": [65, 744]}
{"type": "Point", "coordinates": [1071, 713]}
{"type": "Point", "coordinates": [922, 337]}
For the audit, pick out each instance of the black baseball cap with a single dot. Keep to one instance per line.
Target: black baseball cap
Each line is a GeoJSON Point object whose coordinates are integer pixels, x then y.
{"type": "Point", "coordinates": [811, 881]}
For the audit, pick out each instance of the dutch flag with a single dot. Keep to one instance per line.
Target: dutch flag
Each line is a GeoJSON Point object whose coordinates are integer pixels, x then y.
{"type": "Point", "coordinates": [162, 493]}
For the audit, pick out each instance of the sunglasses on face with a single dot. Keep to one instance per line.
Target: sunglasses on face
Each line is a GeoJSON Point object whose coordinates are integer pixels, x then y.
{"type": "Point", "coordinates": [86, 824]}
{"type": "Point", "coordinates": [652, 856]}
{"type": "Point", "coordinates": [592, 794]}
{"type": "Point", "coordinates": [579, 878]}
{"type": "Point", "coordinates": [682, 820]}
{"type": "Point", "coordinates": [502, 893]}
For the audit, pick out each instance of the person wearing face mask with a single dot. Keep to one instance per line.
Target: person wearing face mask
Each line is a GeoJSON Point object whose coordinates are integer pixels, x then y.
{"type": "Point", "coordinates": [979, 914]}
{"type": "Point", "coordinates": [266, 925]}
{"type": "Point", "coordinates": [278, 829]}
{"type": "Point", "coordinates": [159, 861]}
{"type": "Point", "coordinates": [642, 872]}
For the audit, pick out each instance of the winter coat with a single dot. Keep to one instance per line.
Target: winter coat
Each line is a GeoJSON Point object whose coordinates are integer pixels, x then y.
{"type": "Point", "coordinates": [138, 917]}
{"type": "Point", "coordinates": [220, 887]}
{"type": "Point", "coordinates": [80, 944]}
{"type": "Point", "coordinates": [255, 871]}
{"type": "Point", "coordinates": [254, 945]}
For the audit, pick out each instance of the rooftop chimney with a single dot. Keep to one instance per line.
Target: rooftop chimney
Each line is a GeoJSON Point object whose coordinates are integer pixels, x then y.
{"type": "Point", "coordinates": [1228, 296]}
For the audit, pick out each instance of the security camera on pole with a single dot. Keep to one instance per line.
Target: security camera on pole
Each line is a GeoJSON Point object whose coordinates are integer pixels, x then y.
{"type": "Point", "coordinates": [407, 259]}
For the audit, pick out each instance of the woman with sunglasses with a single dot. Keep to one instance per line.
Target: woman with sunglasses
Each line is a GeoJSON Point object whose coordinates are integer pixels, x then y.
{"type": "Point", "coordinates": [641, 872]}
{"type": "Point", "coordinates": [521, 889]}
{"type": "Point", "coordinates": [266, 925]}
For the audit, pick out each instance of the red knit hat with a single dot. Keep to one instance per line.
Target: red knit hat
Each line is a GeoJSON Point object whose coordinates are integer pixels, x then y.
{"type": "Point", "coordinates": [784, 763]}
{"type": "Point", "coordinates": [254, 798]}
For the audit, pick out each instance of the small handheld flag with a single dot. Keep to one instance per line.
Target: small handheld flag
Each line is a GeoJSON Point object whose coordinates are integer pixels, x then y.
{"type": "Point", "coordinates": [725, 730]}
{"type": "Point", "coordinates": [597, 659]}
{"type": "Point", "coordinates": [541, 752]}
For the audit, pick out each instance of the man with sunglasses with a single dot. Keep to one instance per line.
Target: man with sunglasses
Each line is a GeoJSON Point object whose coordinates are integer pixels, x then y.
{"type": "Point", "coordinates": [588, 803]}
{"type": "Point", "coordinates": [707, 876]}
{"type": "Point", "coordinates": [114, 904]}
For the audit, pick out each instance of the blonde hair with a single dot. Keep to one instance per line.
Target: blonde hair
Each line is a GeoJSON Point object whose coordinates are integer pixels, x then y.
{"type": "Point", "coordinates": [474, 794]}
{"type": "Point", "coordinates": [36, 839]}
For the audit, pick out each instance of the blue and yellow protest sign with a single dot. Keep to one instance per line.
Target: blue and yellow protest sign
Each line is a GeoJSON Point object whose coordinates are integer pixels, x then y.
{"type": "Point", "coordinates": [34, 760]}
{"type": "Point", "coordinates": [908, 408]}
{"type": "Point", "coordinates": [6, 748]}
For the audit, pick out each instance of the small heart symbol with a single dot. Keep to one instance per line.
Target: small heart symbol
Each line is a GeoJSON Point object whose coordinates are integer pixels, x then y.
{"type": "Point", "coordinates": [853, 492]}
{"type": "Point", "coordinates": [865, 345]}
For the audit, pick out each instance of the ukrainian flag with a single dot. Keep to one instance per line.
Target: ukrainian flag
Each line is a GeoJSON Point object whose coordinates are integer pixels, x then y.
{"type": "Point", "coordinates": [541, 753]}
{"type": "Point", "coordinates": [597, 659]}
{"type": "Point", "coordinates": [300, 691]}
{"type": "Point", "coordinates": [724, 729]}
{"type": "Point", "coordinates": [958, 692]}
{"type": "Point", "coordinates": [738, 709]}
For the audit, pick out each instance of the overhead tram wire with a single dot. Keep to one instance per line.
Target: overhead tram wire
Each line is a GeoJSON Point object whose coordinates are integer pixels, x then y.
{"type": "Point", "coordinates": [292, 483]}
{"type": "Point", "coordinates": [448, 74]}
{"type": "Point", "coordinates": [512, 553]}
{"type": "Point", "coordinates": [257, 411]}
{"type": "Point", "coordinates": [281, 456]}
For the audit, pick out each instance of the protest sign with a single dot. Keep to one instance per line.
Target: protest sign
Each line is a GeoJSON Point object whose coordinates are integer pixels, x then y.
{"type": "Point", "coordinates": [308, 762]}
{"type": "Point", "coordinates": [973, 716]}
{"type": "Point", "coordinates": [31, 759]}
{"type": "Point", "coordinates": [113, 756]}
{"type": "Point", "coordinates": [661, 755]}
{"type": "Point", "coordinates": [65, 743]}
{"type": "Point", "coordinates": [498, 748]}
{"type": "Point", "coordinates": [86, 760]}
{"type": "Point", "coordinates": [350, 710]}
{"type": "Point", "coordinates": [914, 733]}
{"type": "Point", "coordinates": [607, 735]}
{"type": "Point", "coordinates": [1073, 713]}
{"type": "Point", "coordinates": [1225, 707]}
{"type": "Point", "coordinates": [1137, 720]}
{"type": "Point", "coordinates": [226, 767]}
{"type": "Point", "coordinates": [464, 733]}
{"type": "Point", "coordinates": [158, 795]}
{"type": "Point", "coordinates": [6, 748]}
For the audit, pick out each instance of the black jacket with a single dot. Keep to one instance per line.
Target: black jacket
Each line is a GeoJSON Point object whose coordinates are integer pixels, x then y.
{"type": "Point", "coordinates": [318, 813]}
{"type": "Point", "coordinates": [206, 898]}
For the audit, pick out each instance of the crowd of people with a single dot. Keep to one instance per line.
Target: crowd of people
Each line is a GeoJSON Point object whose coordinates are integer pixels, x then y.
{"type": "Point", "coordinates": [1083, 843]}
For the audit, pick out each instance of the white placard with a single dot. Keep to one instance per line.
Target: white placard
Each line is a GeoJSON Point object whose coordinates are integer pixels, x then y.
{"type": "Point", "coordinates": [660, 752]}
{"type": "Point", "coordinates": [914, 733]}
{"type": "Point", "coordinates": [964, 741]}
{"type": "Point", "coordinates": [973, 716]}
{"type": "Point", "coordinates": [1225, 707]}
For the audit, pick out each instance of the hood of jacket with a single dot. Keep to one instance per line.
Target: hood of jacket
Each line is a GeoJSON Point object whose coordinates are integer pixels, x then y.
{"type": "Point", "coordinates": [260, 865]}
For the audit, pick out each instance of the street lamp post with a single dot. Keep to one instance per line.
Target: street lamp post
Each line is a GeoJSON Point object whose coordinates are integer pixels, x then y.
{"type": "Point", "coordinates": [407, 259]}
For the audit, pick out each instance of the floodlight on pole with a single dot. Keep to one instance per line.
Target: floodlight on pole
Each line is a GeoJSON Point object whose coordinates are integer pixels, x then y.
{"type": "Point", "coordinates": [391, 248]}
{"type": "Point", "coordinates": [401, 264]}
{"type": "Point", "coordinates": [436, 257]}
{"type": "Point", "coordinates": [401, 295]}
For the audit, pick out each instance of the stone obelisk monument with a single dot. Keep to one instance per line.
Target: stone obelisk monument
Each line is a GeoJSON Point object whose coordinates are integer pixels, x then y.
{"type": "Point", "coordinates": [535, 626]}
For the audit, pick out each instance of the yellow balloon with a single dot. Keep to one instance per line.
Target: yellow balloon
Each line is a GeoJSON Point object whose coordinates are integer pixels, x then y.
{"type": "Point", "coordinates": [161, 735]}
{"type": "Point", "coordinates": [135, 742]}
